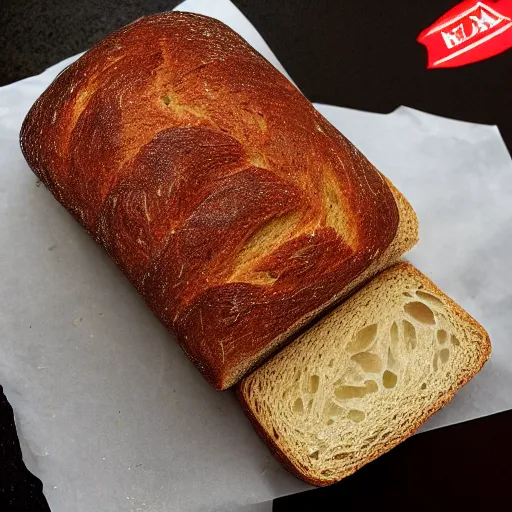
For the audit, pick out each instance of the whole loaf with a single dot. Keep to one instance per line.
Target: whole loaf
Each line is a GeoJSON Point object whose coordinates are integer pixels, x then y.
{"type": "Point", "coordinates": [232, 205]}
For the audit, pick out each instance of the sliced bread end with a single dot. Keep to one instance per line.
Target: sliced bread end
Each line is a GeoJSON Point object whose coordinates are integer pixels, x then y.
{"type": "Point", "coordinates": [365, 377]}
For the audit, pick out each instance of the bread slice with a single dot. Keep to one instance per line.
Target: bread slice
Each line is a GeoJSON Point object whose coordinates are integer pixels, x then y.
{"type": "Point", "coordinates": [365, 377]}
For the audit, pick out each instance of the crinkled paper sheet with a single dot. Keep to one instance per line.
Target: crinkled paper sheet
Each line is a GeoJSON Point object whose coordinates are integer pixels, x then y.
{"type": "Point", "coordinates": [111, 414]}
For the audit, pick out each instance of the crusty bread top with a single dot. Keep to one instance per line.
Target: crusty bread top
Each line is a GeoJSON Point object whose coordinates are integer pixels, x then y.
{"type": "Point", "coordinates": [232, 205]}
{"type": "Point", "coordinates": [365, 377]}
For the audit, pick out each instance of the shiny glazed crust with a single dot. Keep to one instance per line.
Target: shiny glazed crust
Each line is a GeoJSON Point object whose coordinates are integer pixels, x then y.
{"type": "Point", "coordinates": [229, 202]}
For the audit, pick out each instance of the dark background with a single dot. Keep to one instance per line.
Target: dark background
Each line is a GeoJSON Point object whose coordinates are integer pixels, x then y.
{"type": "Point", "coordinates": [355, 53]}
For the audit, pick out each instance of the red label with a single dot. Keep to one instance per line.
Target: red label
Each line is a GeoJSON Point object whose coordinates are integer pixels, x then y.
{"type": "Point", "coordinates": [469, 32]}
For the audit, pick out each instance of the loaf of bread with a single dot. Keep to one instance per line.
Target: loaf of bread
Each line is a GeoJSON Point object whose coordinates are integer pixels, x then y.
{"type": "Point", "coordinates": [232, 205]}
{"type": "Point", "coordinates": [365, 377]}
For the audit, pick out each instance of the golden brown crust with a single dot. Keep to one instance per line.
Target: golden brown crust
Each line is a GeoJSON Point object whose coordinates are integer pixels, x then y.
{"type": "Point", "coordinates": [455, 309]}
{"type": "Point", "coordinates": [231, 204]}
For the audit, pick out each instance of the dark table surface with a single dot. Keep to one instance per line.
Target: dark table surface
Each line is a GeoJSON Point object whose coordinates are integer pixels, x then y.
{"type": "Point", "coordinates": [354, 53]}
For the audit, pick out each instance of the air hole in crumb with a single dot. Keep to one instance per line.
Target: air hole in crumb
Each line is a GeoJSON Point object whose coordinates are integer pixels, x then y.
{"type": "Point", "coordinates": [297, 376]}
{"type": "Point", "coordinates": [429, 298]}
{"type": "Point", "coordinates": [332, 410]}
{"type": "Point", "coordinates": [409, 334]}
{"type": "Point", "coordinates": [420, 312]}
{"type": "Point", "coordinates": [363, 339]}
{"type": "Point", "coordinates": [298, 406]}
{"type": "Point", "coordinates": [369, 362]}
{"type": "Point", "coordinates": [442, 335]}
{"type": "Point", "coordinates": [310, 403]}
{"type": "Point", "coordinates": [341, 456]}
{"type": "Point", "coordinates": [276, 435]}
{"type": "Point", "coordinates": [327, 472]}
{"type": "Point", "coordinates": [407, 294]}
{"type": "Point", "coordinates": [424, 385]}
{"type": "Point", "coordinates": [166, 100]}
{"type": "Point", "coordinates": [389, 379]}
{"type": "Point", "coordinates": [454, 340]}
{"type": "Point", "coordinates": [330, 421]}
{"type": "Point", "coordinates": [313, 383]}
{"type": "Point", "coordinates": [314, 455]}
{"type": "Point", "coordinates": [394, 334]}
{"type": "Point", "coordinates": [331, 363]}
{"type": "Point", "coordinates": [346, 392]}
{"type": "Point", "coordinates": [436, 359]}
{"type": "Point", "coordinates": [391, 359]}
{"type": "Point", "coordinates": [444, 355]}
{"type": "Point", "coordinates": [355, 415]}
{"type": "Point", "coordinates": [371, 386]}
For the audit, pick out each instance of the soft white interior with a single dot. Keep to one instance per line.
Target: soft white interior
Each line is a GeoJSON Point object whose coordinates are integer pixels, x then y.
{"type": "Point", "coordinates": [365, 377]}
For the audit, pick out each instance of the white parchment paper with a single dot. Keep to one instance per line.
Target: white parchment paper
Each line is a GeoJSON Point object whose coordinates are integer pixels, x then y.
{"type": "Point", "coordinates": [111, 414]}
